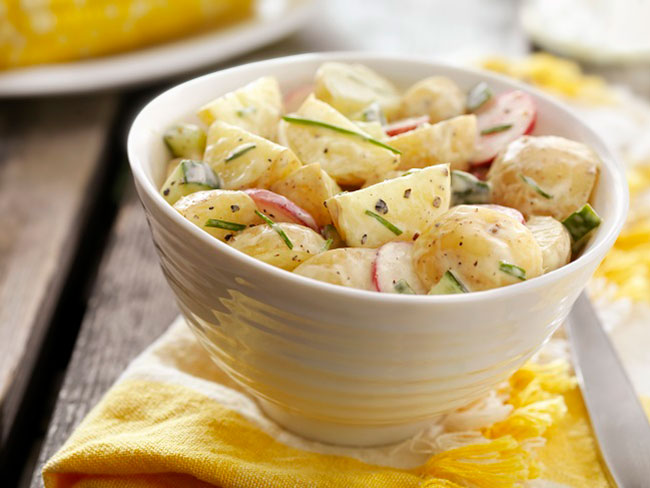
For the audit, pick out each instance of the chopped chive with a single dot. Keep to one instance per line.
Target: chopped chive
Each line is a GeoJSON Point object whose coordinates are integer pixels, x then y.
{"type": "Point", "coordinates": [467, 188]}
{"type": "Point", "coordinates": [404, 288]}
{"type": "Point", "coordinates": [478, 96]}
{"type": "Point", "coordinates": [276, 228]}
{"type": "Point", "coordinates": [580, 223]}
{"type": "Point", "coordinates": [224, 224]}
{"type": "Point", "coordinates": [495, 129]}
{"type": "Point", "coordinates": [384, 222]}
{"type": "Point", "coordinates": [513, 270]}
{"type": "Point", "coordinates": [328, 244]}
{"type": "Point", "coordinates": [240, 151]}
{"type": "Point", "coordinates": [336, 128]}
{"type": "Point", "coordinates": [533, 184]}
{"type": "Point", "coordinates": [449, 284]}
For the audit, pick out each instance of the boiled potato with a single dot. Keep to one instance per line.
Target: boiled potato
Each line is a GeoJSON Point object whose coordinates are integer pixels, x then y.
{"type": "Point", "coordinates": [438, 97]}
{"type": "Point", "coordinates": [350, 267]}
{"type": "Point", "coordinates": [255, 107]}
{"type": "Point", "coordinates": [450, 141]}
{"type": "Point", "coordinates": [244, 160]}
{"type": "Point", "coordinates": [172, 164]}
{"type": "Point", "coordinates": [263, 242]}
{"type": "Point", "coordinates": [553, 239]}
{"type": "Point", "coordinates": [309, 187]}
{"type": "Point", "coordinates": [544, 175]}
{"type": "Point", "coordinates": [408, 203]}
{"type": "Point", "coordinates": [373, 129]}
{"type": "Point", "coordinates": [482, 247]}
{"type": "Point", "coordinates": [229, 207]}
{"type": "Point", "coordinates": [396, 173]}
{"type": "Point", "coordinates": [347, 158]}
{"type": "Point", "coordinates": [350, 88]}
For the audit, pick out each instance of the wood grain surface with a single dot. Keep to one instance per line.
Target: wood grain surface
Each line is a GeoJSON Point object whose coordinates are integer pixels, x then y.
{"type": "Point", "coordinates": [50, 157]}
{"type": "Point", "coordinates": [130, 306]}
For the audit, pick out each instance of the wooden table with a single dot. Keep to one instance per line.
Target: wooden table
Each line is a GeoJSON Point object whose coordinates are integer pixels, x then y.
{"type": "Point", "coordinates": [81, 292]}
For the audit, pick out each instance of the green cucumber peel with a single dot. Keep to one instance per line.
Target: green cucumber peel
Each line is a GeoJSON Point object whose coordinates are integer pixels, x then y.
{"type": "Point", "coordinates": [449, 284]}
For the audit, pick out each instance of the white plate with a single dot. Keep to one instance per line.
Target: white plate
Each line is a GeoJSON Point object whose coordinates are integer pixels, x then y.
{"type": "Point", "coordinates": [596, 31]}
{"type": "Point", "coordinates": [272, 20]}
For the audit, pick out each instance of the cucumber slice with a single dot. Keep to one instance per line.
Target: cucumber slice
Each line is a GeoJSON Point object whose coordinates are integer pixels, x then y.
{"type": "Point", "coordinates": [580, 224]}
{"type": "Point", "coordinates": [189, 177]}
{"type": "Point", "coordinates": [468, 189]}
{"type": "Point", "coordinates": [448, 285]}
{"type": "Point", "coordinates": [185, 141]}
{"type": "Point", "coordinates": [478, 96]}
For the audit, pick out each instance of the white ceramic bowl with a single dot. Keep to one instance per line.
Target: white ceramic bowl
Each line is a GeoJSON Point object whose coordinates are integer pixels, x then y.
{"type": "Point", "coordinates": [349, 366]}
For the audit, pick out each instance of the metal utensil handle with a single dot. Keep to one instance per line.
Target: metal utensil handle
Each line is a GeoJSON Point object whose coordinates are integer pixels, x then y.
{"type": "Point", "coordinates": [620, 424]}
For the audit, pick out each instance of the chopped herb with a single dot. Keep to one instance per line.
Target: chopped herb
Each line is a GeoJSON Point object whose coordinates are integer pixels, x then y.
{"type": "Point", "coordinates": [327, 245]}
{"type": "Point", "coordinates": [224, 224]}
{"type": "Point", "coordinates": [276, 228]}
{"type": "Point", "coordinates": [317, 123]}
{"type": "Point", "coordinates": [373, 113]}
{"type": "Point", "coordinates": [243, 112]}
{"type": "Point", "coordinates": [404, 288]}
{"type": "Point", "coordinates": [478, 96]}
{"type": "Point", "coordinates": [513, 270]}
{"type": "Point", "coordinates": [381, 207]}
{"type": "Point", "coordinates": [533, 184]}
{"type": "Point", "coordinates": [580, 223]}
{"type": "Point", "coordinates": [239, 151]}
{"type": "Point", "coordinates": [384, 222]}
{"type": "Point", "coordinates": [449, 284]}
{"type": "Point", "coordinates": [495, 129]}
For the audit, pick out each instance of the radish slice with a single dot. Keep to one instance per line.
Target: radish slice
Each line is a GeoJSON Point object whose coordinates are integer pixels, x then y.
{"type": "Point", "coordinates": [280, 209]}
{"type": "Point", "coordinates": [293, 100]}
{"type": "Point", "coordinates": [405, 125]}
{"type": "Point", "coordinates": [394, 262]}
{"type": "Point", "coordinates": [509, 116]}
{"type": "Point", "coordinates": [513, 212]}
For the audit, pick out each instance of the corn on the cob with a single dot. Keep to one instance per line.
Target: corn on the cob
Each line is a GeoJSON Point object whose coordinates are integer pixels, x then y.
{"type": "Point", "coordinates": [49, 31]}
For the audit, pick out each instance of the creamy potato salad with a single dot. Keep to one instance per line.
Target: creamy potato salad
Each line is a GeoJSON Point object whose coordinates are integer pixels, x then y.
{"type": "Point", "coordinates": [351, 181]}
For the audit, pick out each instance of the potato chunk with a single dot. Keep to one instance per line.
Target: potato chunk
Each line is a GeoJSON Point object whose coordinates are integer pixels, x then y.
{"type": "Point", "coordinates": [264, 243]}
{"type": "Point", "coordinates": [244, 160]}
{"type": "Point", "coordinates": [351, 267]}
{"type": "Point", "coordinates": [553, 239]}
{"type": "Point", "coordinates": [450, 141]}
{"type": "Point", "coordinates": [482, 247]}
{"type": "Point", "coordinates": [350, 88]}
{"type": "Point", "coordinates": [231, 207]}
{"type": "Point", "coordinates": [544, 175]}
{"type": "Point", "coordinates": [409, 203]}
{"type": "Point", "coordinates": [255, 107]}
{"type": "Point", "coordinates": [309, 187]}
{"type": "Point", "coordinates": [347, 158]}
{"type": "Point", "coordinates": [438, 97]}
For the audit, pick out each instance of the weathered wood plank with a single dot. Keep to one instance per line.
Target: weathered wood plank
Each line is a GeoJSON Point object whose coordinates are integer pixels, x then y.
{"type": "Point", "coordinates": [50, 158]}
{"type": "Point", "coordinates": [130, 305]}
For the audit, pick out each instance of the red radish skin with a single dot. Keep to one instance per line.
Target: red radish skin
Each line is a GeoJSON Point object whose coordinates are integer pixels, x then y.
{"type": "Point", "coordinates": [394, 262]}
{"type": "Point", "coordinates": [513, 107]}
{"type": "Point", "coordinates": [293, 100]}
{"type": "Point", "coordinates": [405, 125]}
{"type": "Point", "coordinates": [280, 209]}
{"type": "Point", "coordinates": [513, 212]}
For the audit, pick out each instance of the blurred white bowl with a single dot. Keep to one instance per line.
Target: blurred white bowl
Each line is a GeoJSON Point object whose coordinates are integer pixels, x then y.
{"type": "Point", "coordinates": [341, 365]}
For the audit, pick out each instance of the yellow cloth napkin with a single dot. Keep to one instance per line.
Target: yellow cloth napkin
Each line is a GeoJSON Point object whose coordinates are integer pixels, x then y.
{"type": "Point", "coordinates": [174, 419]}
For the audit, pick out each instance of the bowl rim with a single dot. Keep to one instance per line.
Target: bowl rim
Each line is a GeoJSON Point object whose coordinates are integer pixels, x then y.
{"type": "Point", "coordinates": [604, 240]}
